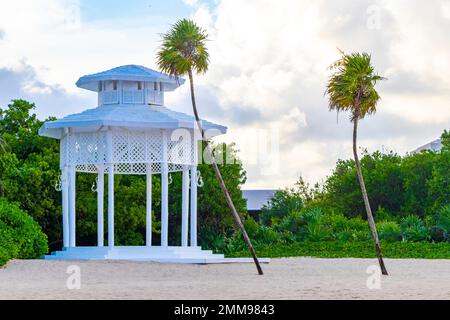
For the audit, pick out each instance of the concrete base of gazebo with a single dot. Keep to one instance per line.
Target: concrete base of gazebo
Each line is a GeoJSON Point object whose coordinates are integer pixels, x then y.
{"type": "Point", "coordinates": [181, 255]}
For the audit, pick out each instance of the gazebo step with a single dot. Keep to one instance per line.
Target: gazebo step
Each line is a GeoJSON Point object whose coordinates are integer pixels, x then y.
{"type": "Point", "coordinates": [135, 253]}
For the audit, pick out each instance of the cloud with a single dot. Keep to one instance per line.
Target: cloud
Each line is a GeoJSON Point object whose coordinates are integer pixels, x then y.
{"type": "Point", "coordinates": [190, 2]}
{"type": "Point", "coordinates": [50, 100]}
{"type": "Point", "coordinates": [2, 34]}
{"type": "Point", "coordinates": [267, 73]}
{"type": "Point", "coordinates": [61, 47]}
{"type": "Point", "coordinates": [273, 58]}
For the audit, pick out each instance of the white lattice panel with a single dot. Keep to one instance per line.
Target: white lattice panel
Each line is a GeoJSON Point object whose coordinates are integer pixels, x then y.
{"type": "Point", "coordinates": [110, 97]}
{"type": "Point", "coordinates": [120, 148]}
{"type": "Point", "coordinates": [154, 147]}
{"type": "Point", "coordinates": [84, 148]}
{"type": "Point", "coordinates": [131, 151]}
{"type": "Point", "coordinates": [127, 96]}
{"type": "Point", "coordinates": [133, 96]}
{"type": "Point", "coordinates": [138, 96]}
{"type": "Point", "coordinates": [180, 153]}
{"type": "Point", "coordinates": [87, 168]}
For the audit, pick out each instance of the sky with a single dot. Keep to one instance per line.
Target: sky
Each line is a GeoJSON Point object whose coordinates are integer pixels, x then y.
{"type": "Point", "coordinates": [267, 76]}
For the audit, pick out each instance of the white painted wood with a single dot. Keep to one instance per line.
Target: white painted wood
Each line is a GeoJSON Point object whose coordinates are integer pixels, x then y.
{"type": "Point", "coordinates": [72, 206]}
{"type": "Point", "coordinates": [181, 255]}
{"type": "Point", "coordinates": [120, 92]}
{"type": "Point", "coordinates": [65, 206]}
{"type": "Point", "coordinates": [111, 206]}
{"type": "Point", "coordinates": [148, 227]}
{"type": "Point", "coordinates": [100, 206]}
{"type": "Point", "coordinates": [144, 88]}
{"type": "Point", "coordinates": [109, 158]}
{"type": "Point", "coordinates": [185, 207]}
{"type": "Point", "coordinates": [164, 194]}
{"type": "Point", "coordinates": [193, 206]}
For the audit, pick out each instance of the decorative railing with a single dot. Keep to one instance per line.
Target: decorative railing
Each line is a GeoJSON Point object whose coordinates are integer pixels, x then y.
{"type": "Point", "coordinates": [130, 151]}
{"type": "Point", "coordinates": [155, 97]}
{"type": "Point", "coordinates": [110, 97]}
{"type": "Point", "coordinates": [133, 96]}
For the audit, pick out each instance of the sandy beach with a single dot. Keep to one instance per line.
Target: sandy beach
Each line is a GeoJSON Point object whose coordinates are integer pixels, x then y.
{"type": "Point", "coordinates": [293, 278]}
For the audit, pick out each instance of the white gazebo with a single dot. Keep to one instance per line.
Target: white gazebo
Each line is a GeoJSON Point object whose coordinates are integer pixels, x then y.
{"type": "Point", "coordinates": [130, 132]}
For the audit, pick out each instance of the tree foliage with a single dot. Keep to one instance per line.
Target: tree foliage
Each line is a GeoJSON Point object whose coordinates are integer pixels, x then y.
{"type": "Point", "coordinates": [20, 236]}
{"type": "Point", "coordinates": [184, 49]}
{"type": "Point", "coordinates": [416, 184]}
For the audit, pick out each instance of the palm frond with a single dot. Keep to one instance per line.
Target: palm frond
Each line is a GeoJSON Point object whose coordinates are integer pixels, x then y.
{"type": "Point", "coordinates": [183, 49]}
{"type": "Point", "coordinates": [351, 87]}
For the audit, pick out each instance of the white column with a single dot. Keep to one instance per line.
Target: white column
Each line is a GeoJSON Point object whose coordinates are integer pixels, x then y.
{"type": "Point", "coordinates": [148, 230]}
{"type": "Point", "coordinates": [193, 206]}
{"type": "Point", "coordinates": [65, 206]}
{"type": "Point", "coordinates": [185, 207]}
{"type": "Point", "coordinates": [100, 206]}
{"type": "Point", "coordinates": [111, 205]}
{"type": "Point", "coordinates": [164, 194]}
{"type": "Point", "coordinates": [109, 160]}
{"type": "Point", "coordinates": [72, 206]}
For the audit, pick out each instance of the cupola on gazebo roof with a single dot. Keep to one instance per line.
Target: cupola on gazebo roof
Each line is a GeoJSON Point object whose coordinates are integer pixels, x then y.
{"type": "Point", "coordinates": [129, 73]}
{"type": "Point", "coordinates": [125, 94]}
{"type": "Point", "coordinates": [130, 132]}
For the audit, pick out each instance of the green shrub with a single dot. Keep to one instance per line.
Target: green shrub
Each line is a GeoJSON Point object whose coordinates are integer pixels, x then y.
{"type": "Point", "coordinates": [20, 236]}
{"type": "Point", "coordinates": [352, 249]}
{"type": "Point", "coordinates": [345, 229]}
{"type": "Point", "coordinates": [383, 215]}
{"type": "Point", "coordinates": [315, 228]}
{"type": "Point", "coordinates": [443, 220]}
{"type": "Point", "coordinates": [283, 203]}
{"type": "Point", "coordinates": [251, 226]}
{"type": "Point", "coordinates": [259, 235]}
{"type": "Point", "coordinates": [413, 229]}
{"type": "Point", "coordinates": [389, 231]}
{"type": "Point", "coordinates": [8, 247]}
{"type": "Point", "coordinates": [304, 225]}
{"type": "Point", "coordinates": [437, 234]}
{"type": "Point", "coordinates": [440, 225]}
{"type": "Point", "coordinates": [292, 223]}
{"type": "Point", "coordinates": [210, 240]}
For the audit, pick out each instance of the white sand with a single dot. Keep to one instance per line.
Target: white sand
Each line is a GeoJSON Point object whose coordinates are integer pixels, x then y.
{"type": "Point", "coordinates": [294, 278]}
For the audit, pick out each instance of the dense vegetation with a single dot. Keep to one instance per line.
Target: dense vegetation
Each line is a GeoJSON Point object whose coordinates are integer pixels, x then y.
{"type": "Point", "coordinates": [410, 196]}
{"type": "Point", "coordinates": [392, 250]}
{"type": "Point", "coordinates": [20, 236]}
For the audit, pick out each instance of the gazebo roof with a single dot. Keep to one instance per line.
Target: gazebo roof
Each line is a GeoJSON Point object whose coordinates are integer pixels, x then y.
{"type": "Point", "coordinates": [129, 73]}
{"type": "Point", "coordinates": [130, 116]}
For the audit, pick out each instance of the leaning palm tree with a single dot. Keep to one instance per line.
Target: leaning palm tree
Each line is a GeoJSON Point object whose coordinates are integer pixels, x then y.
{"type": "Point", "coordinates": [184, 52]}
{"type": "Point", "coordinates": [352, 88]}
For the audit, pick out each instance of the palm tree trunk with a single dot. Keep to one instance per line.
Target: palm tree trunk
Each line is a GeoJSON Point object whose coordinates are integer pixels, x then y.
{"type": "Point", "coordinates": [366, 199]}
{"type": "Point", "coordinates": [220, 179]}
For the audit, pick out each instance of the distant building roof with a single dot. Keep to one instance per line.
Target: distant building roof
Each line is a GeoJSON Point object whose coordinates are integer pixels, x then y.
{"type": "Point", "coordinates": [256, 199]}
{"type": "Point", "coordinates": [129, 73]}
{"type": "Point", "coordinates": [435, 146]}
